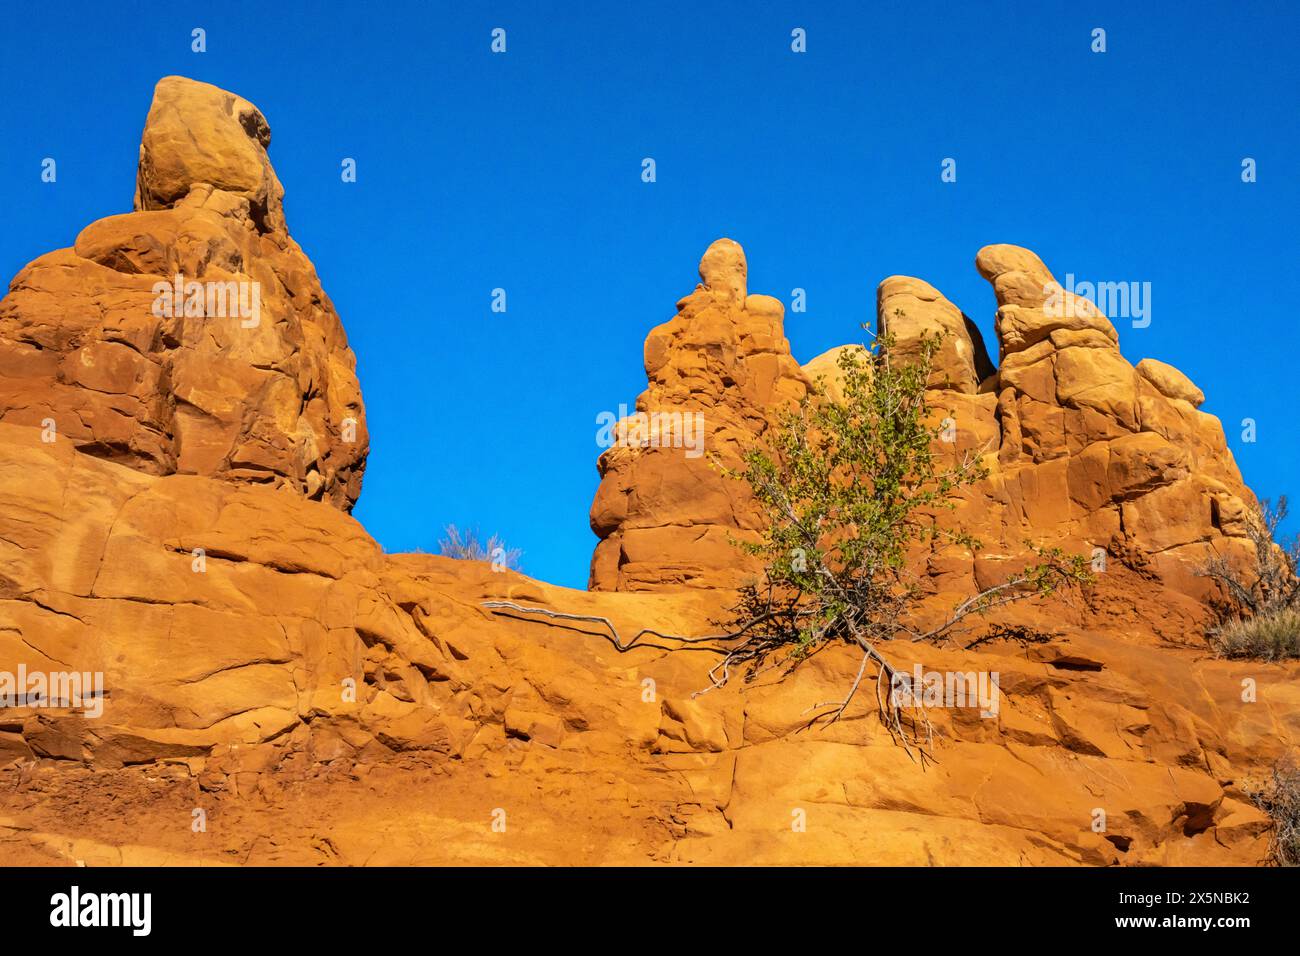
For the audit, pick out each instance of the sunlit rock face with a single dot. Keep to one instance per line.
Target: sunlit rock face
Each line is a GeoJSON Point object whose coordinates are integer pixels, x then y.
{"type": "Point", "coordinates": [173, 498]}
{"type": "Point", "coordinates": [665, 513]}
{"type": "Point", "coordinates": [1084, 450]}
{"type": "Point", "coordinates": [191, 336]}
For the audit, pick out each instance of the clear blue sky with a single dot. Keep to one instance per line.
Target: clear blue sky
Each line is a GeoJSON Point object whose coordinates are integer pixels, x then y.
{"type": "Point", "coordinates": [522, 171]}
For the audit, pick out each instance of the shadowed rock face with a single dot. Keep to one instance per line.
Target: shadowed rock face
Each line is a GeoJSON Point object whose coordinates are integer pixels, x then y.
{"type": "Point", "coordinates": [1084, 450]}
{"type": "Point", "coordinates": [239, 369]}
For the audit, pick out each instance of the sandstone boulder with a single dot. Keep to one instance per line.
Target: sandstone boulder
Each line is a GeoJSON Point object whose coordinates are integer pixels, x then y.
{"type": "Point", "coordinates": [1170, 382]}
{"type": "Point", "coordinates": [198, 133]}
{"type": "Point", "coordinates": [825, 371]}
{"type": "Point", "coordinates": [909, 309]}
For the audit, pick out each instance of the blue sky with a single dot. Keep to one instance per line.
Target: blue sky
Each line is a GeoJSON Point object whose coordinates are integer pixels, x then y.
{"type": "Point", "coordinates": [522, 171]}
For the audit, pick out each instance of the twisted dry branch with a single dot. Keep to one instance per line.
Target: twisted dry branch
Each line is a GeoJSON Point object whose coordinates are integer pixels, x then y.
{"type": "Point", "coordinates": [619, 644]}
{"type": "Point", "coordinates": [753, 649]}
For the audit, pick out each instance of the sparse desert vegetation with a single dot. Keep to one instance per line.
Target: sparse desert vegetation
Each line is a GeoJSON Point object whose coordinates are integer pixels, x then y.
{"type": "Point", "coordinates": [1261, 608]}
{"type": "Point", "coordinates": [850, 488]}
{"type": "Point", "coordinates": [1279, 797]}
{"type": "Point", "coordinates": [468, 545]}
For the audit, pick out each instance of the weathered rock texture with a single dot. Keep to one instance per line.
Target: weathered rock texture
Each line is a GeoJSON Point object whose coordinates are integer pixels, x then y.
{"type": "Point", "coordinates": [234, 678]}
{"type": "Point", "coordinates": [1091, 451]}
{"type": "Point", "coordinates": [91, 349]}
{"type": "Point", "coordinates": [1084, 450]}
{"type": "Point", "coordinates": [324, 702]}
{"type": "Point", "coordinates": [663, 516]}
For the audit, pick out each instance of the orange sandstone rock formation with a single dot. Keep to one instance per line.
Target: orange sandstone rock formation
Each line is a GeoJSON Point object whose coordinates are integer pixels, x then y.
{"type": "Point", "coordinates": [668, 518]}
{"type": "Point", "coordinates": [1085, 451]}
{"type": "Point", "coordinates": [191, 336]}
{"type": "Point", "coordinates": [324, 702]}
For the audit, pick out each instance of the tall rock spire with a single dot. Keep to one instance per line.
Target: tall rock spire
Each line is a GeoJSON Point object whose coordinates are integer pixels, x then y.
{"type": "Point", "coordinates": [664, 512]}
{"type": "Point", "coordinates": [191, 336]}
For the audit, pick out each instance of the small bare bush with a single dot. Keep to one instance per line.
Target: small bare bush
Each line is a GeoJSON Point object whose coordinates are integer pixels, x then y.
{"type": "Point", "coordinates": [1261, 607]}
{"type": "Point", "coordinates": [1279, 797]}
{"type": "Point", "coordinates": [467, 545]}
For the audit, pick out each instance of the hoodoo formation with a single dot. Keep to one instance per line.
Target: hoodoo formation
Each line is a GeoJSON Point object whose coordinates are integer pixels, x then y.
{"type": "Point", "coordinates": [1085, 450]}
{"type": "Point", "coordinates": [129, 372]}
{"type": "Point", "coordinates": [174, 514]}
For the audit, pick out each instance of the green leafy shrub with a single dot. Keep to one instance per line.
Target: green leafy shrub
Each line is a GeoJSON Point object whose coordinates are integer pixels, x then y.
{"type": "Point", "coordinates": [849, 488]}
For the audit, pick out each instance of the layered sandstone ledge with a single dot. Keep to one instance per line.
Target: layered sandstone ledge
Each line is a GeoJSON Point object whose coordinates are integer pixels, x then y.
{"type": "Point", "coordinates": [183, 530]}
